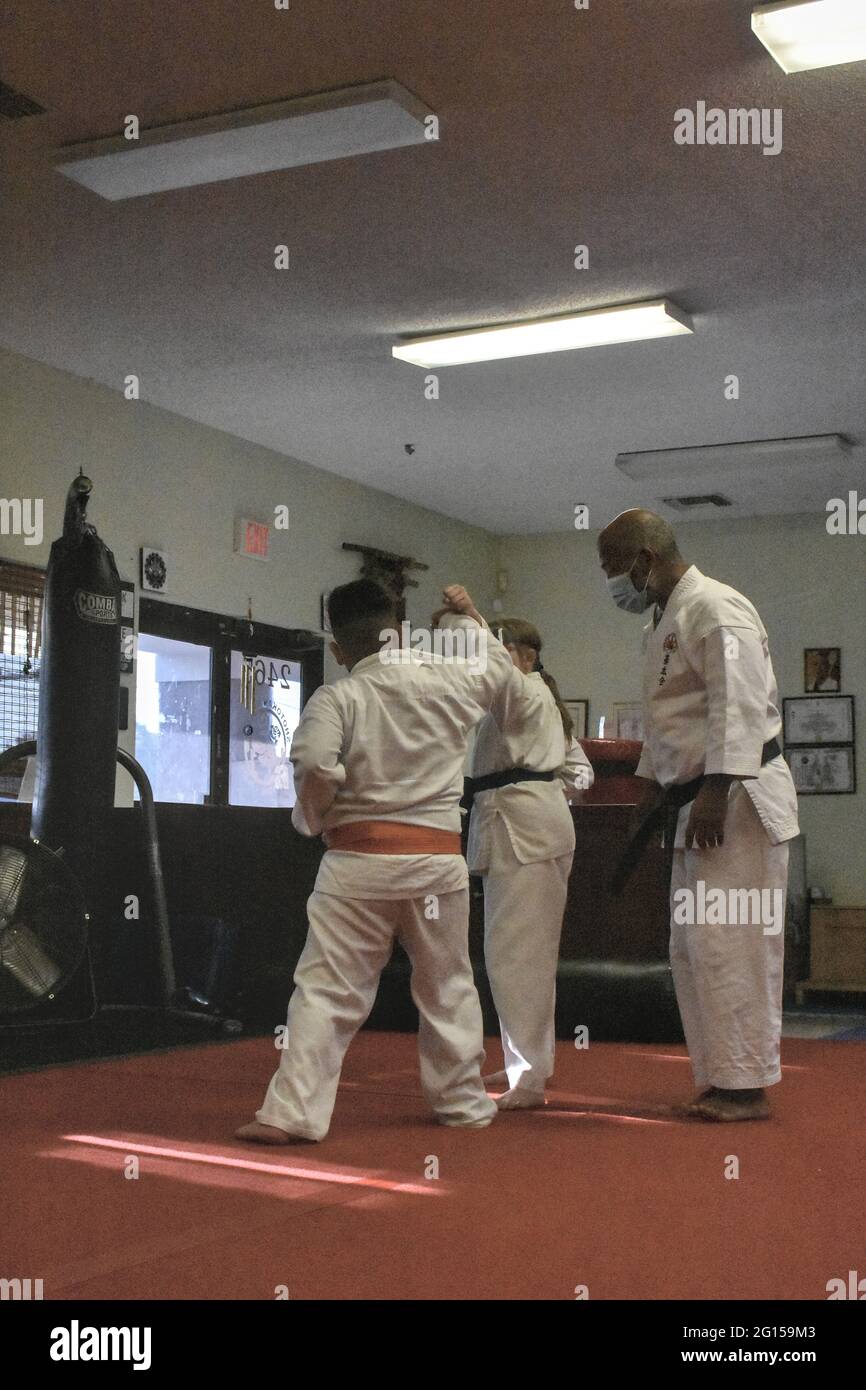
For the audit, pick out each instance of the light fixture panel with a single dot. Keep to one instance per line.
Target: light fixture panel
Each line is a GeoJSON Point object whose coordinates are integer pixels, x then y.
{"type": "Point", "coordinates": [812, 451]}
{"type": "Point", "coordinates": [622, 323]}
{"type": "Point", "coordinates": [284, 135]}
{"type": "Point", "coordinates": [806, 34]}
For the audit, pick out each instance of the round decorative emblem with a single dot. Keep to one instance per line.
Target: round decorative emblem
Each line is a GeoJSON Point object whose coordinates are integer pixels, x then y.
{"type": "Point", "coordinates": [155, 571]}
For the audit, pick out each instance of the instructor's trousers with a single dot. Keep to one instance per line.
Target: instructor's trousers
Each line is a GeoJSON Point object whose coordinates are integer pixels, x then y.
{"type": "Point", "coordinates": [728, 978]}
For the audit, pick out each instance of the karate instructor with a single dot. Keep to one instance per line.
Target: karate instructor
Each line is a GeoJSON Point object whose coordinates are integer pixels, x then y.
{"type": "Point", "coordinates": [712, 767]}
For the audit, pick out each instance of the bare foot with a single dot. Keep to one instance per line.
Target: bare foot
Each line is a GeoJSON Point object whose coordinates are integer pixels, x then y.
{"type": "Point", "coordinates": [521, 1100]}
{"type": "Point", "coordinates": [467, 1124]}
{"type": "Point", "coordinates": [729, 1106]}
{"type": "Point", "coordinates": [496, 1081]}
{"type": "Point", "coordinates": [266, 1134]}
{"type": "Point", "coordinates": [687, 1108]}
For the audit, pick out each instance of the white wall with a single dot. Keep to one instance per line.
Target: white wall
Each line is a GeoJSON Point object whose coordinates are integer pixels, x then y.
{"type": "Point", "coordinates": [165, 481]}
{"type": "Point", "coordinates": [808, 588]}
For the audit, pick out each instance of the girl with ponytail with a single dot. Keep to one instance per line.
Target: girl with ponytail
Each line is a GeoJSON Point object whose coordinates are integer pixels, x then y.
{"type": "Point", "coordinates": [521, 841]}
{"type": "Point", "coordinates": [522, 638]}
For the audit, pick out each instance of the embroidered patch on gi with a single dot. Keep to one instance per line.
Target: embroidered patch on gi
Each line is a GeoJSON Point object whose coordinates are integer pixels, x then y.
{"type": "Point", "coordinates": [669, 645]}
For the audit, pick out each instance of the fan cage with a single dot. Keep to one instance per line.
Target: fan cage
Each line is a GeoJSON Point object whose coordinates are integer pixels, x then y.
{"type": "Point", "coordinates": [43, 924]}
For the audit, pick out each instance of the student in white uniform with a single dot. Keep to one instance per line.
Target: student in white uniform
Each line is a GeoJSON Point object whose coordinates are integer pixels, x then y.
{"type": "Point", "coordinates": [521, 840]}
{"type": "Point", "coordinates": [711, 728]}
{"type": "Point", "coordinates": [378, 762]}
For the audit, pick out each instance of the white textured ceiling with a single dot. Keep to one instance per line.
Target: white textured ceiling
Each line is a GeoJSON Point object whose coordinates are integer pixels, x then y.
{"type": "Point", "coordinates": [556, 129]}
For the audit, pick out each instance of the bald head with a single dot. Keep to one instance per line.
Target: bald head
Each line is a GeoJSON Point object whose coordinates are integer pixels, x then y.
{"type": "Point", "coordinates": [641, 539]}
{"type": "Point", "coordinates": [638, 529]}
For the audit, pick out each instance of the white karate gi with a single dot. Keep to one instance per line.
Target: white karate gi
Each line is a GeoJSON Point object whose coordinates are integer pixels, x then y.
{"type": "Point", "coordinates": [521, 840]}
{"type": "Point", "coordinates": [710, 704]}
{"type": "Point", "coordinates": [388, 743]}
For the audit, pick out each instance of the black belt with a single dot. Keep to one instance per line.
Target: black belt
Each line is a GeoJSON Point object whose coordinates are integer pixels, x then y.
{"type": "Point", "coordinates": [493, 780]}
{"type": "Point", "coordinates": [664, 813]}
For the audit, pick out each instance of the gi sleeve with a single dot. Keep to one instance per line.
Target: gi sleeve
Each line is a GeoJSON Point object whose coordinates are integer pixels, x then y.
{"type": "Point", "coordinates": [576, 774]}
{"type": "Point", "coordinates": [494, 679]}
{"type": "Point", "coordinates": [316, 758]}
{"type": "Point", "coordinates": [735, 674]}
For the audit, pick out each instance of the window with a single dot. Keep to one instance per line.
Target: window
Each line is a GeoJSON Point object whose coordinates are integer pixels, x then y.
{"type": "Point", "coordinates": [21, 595]}
{"type": "Point", "coordinates": [207, 731]}
{"type": "Point", "coordinates": [172, 717]}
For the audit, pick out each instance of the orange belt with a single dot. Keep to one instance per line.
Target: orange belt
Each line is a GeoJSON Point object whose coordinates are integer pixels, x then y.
{"type": "Point", "coordinates": [392, 837]}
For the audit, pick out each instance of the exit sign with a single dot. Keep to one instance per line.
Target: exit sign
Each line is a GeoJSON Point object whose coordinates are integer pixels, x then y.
{"type": "Point", "coordinates": [252, 538]}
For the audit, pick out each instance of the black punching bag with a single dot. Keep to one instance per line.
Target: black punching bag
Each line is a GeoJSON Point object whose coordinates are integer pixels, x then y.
{"type": "Point", "coordinates": [78, 690]}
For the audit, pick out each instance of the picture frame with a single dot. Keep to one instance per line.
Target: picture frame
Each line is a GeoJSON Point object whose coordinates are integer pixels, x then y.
{"type": "Point", "coordinates": [579, 711]}
{"type": "Point", "coordinates": [628, 720]}
{"type": "Point", "coordinates": [810, 720]}
{"type": "Point", "coordinates": [823, 770]}
{"type": "Point", "coordinates": [822, 670]}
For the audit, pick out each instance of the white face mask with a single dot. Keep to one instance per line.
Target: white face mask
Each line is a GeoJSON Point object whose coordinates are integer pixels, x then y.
{"type": "Point", "coordinates": [624, 593]}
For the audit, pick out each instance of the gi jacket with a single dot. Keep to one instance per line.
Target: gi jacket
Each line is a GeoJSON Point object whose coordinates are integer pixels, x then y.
{"type": "Point", "coordinates": [536, 814]}
{"type": "Point", "coordinates": [710, 700]}
{"type": "Point", "coordinates": [388, 742]}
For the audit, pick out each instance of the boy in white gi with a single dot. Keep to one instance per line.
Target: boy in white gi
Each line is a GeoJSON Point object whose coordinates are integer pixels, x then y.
{"type": "Point", "coordinates": [711, 725]}
{"type": "Point", "coordinates": [378, 761]}
{"type": "Point", "coordinates": [521, 840]}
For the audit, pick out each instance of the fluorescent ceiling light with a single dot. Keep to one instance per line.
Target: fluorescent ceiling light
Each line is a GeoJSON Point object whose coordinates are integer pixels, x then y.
{"type": "Point", "coordinates": [804, 34]}
{"type": "Point", "coordinates": [625, 323]}
{"type": "Point", "coordinates": [309, 130]}
{"type": "Point", "coordinates": [720, 459]}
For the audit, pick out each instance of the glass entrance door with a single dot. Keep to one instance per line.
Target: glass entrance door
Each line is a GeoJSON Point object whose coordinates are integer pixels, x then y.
{"type": "Point", "coordinates": [261, 729]}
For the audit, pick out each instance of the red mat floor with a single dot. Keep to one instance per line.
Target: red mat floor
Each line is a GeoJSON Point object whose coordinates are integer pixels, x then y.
{"type": "Point", "coordinates": [601, 1190]}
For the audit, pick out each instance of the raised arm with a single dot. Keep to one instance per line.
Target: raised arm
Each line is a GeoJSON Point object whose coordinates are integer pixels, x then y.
{"type": "Point", "coordinates": [494, 677]}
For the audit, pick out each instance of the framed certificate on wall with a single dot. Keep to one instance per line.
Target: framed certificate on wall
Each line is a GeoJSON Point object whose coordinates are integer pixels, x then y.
{"type": "Point", "coordinates": [822, 771]}
{"type": "Point", "coordinates": [816, 719]}
{"type": "Point", "coordinates": [579, 711]}
{"type": "Point", "coordinates": [628, 720]}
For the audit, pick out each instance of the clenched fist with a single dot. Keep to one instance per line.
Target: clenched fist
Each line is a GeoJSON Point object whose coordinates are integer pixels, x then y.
{"type": "Point", "coordinates": [457, 600]}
